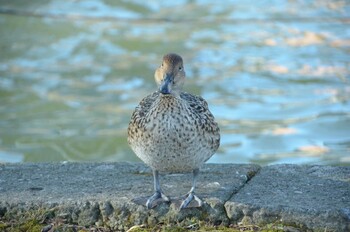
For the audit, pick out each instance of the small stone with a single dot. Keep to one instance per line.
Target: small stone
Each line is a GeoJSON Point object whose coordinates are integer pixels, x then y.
{"type": "Point", "coordinates": [135, 228]}
{"type": "Point", "coordinates": [47, 228]}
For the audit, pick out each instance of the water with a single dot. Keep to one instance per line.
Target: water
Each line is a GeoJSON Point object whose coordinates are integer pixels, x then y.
{"type": "Point", "coordinates": [275, 75]}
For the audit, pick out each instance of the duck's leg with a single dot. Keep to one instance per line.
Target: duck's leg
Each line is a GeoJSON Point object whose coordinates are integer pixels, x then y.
{"type": "Point", "coordinates": [190, 195]}
{"type": "Point", "coordinates": [158, 194]}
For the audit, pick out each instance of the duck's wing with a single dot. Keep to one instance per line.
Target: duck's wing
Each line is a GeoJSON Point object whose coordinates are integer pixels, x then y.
{"type": "Point", "coordinates": [145, 105]}
{"type": "Point", "coordinates": [137, 121]}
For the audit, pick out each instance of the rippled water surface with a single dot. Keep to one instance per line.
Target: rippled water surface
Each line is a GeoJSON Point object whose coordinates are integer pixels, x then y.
{"type": "Point", "coordinates": [275, 74]}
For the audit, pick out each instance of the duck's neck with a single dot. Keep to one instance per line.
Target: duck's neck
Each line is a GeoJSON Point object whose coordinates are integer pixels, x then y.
{"type": "Point", "coordinates": [175, 94]}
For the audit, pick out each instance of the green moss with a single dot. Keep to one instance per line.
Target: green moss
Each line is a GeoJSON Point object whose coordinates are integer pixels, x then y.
{"type": "Point", "coordinates": [37, 219]}
{"type": "Point", "coordinates": [202, 226]}
{"type": "Point", "coordinates": [3, 226]}
{"type": "Point", "coordinates": [26, 220]}
{"type": "Point", "coordinates": [174, 229]}
{"type": "Point", "coordinates": [251, 174]}
{"type": "Point", "coordinates": [31, 225]}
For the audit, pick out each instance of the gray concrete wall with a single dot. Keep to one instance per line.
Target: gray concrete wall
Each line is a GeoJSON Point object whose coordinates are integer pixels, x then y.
{"type": "Point", "coordinates": [113, 194]}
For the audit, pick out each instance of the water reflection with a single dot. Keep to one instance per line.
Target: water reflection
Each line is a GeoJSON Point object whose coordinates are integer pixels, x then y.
{"type": "Point", "coordinates": [275, 77]}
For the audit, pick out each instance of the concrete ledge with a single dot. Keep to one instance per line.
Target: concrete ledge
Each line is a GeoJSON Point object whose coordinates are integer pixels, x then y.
{"type": "Point", "coordinates": [112, 194]}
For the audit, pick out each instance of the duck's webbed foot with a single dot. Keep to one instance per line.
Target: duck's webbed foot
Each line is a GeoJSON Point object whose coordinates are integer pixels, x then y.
{"type": "Point", "coordinates": [156, 198]}
{"type": "Point", "coordinates": [158, 195]}
{"type": "Point", "coordinates": [190, 197]}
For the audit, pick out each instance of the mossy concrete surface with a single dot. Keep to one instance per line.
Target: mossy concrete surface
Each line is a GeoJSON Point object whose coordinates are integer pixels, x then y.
{"type": "Point", "coordinates": [112, 195]}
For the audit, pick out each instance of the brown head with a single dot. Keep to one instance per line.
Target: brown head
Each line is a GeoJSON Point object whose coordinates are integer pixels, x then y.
{"type": "Point", "coordinates": [170, 76]}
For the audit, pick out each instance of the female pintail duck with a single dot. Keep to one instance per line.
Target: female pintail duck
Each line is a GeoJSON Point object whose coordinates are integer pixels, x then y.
{"type": "Point", "coordinates": [173, 131]}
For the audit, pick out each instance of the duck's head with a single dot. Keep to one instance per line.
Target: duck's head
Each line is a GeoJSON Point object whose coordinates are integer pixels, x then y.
{"type": "Point", "coordinates": [170, 75]}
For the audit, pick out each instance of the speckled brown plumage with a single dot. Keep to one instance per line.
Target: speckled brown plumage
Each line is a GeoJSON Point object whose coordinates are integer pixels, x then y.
{"type": "Point", "coordinates": [173, 134]}
{"type": "Point", "coordinates": [171, 130]}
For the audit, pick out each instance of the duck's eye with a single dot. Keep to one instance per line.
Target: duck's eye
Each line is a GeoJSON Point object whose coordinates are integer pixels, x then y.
{"type": "Point", "coordinates": [162, 65]}
{"type": "Point", "coordinates": [180, 68]}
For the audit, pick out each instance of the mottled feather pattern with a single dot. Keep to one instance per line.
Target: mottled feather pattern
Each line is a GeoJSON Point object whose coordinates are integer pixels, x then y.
{"type": "Point", "coordinates": [171, 130]}
{"type": "Point", "coordinates": [185, 124]}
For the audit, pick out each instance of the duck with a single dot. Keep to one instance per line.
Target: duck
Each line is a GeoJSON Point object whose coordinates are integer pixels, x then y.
{"type": "Point", "coordinates": [173, 131]}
